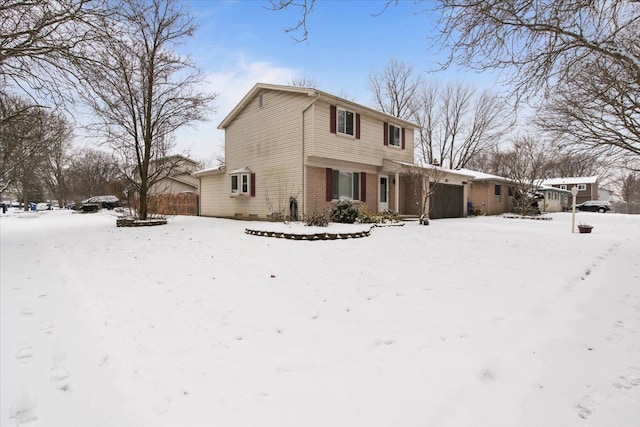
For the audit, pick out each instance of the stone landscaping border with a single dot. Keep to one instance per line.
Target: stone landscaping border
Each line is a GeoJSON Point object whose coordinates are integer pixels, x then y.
{"type": "Point", "coordinates": [309, 236]}
{"type": "Point", "coordinates": [539, 218]}
{"type": "Point", "coordinates": [131, 222]}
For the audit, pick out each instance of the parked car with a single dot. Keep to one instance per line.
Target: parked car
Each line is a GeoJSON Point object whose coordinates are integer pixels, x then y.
{"type": "Point", "coordinates": [43, 206]}
{"type": "Point", "coordinates": [601, 206]}
{"type": "Point", "coordinates": [100, 202]}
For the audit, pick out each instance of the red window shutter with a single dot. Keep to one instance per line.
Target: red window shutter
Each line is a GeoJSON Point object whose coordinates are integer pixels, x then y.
{"type": "Point", "coordinates": [332, 119]}
{"type": "Point", "coordinates": [253, 185]}
{"type": "Point", "coordinates": [329, 185]}
{"type": "Point", "coordinates": [357, 126]}
{"type": "Point", "coordinates": [386, 133]}
{"type": "Point", "coordinates": [403, 138]}
{"type": "Point", "coordinates": [363, 186]}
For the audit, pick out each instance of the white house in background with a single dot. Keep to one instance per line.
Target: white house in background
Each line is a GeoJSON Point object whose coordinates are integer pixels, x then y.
{"type": "Point", "coordinates": [177, 175]}
{"type": "Point", "coordinates": [587, 186]}
{"type": "Point", "coordinates": [555, 199]}
{"type": "Point", "coordinates": [608, 195]}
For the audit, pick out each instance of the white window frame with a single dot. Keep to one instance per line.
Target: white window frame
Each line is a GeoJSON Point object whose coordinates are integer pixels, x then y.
{"type": "Point", "coordinates": [344, 112]}
{"type": "Point", "coordinates": [563, 187]}
{"type": "Point", "coordinates": [392, 136]}
{"type": "Point", "coordinates": [355, 182]}
{"type": "Point", "coordinates": [242, 184]}
{"type": "Point", "coordinates": [582, 187]}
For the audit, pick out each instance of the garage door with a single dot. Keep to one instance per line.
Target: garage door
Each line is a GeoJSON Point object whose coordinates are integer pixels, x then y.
{"type": "Point", "coordinates": [446, 202]}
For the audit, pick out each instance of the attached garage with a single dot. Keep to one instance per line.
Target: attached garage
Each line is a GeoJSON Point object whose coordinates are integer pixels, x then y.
{"type": "Point", "coordinates": [447, 202]}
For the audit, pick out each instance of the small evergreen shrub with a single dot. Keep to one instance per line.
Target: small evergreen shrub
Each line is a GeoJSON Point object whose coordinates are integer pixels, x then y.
{"type": "Point", "coordinates": [344, 212]}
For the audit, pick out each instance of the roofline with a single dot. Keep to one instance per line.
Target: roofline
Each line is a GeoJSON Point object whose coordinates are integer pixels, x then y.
{"type": "Point", "coordinates": [211, 171]}
{"type": "Point", "coordinates": [310, 92]}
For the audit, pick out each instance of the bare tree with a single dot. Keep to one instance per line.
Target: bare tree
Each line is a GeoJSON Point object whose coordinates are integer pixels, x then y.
{"type": "Point", "coordinates": [395, 88]}
{"type": "Point", "coordinates": [142, 91]}
{"type": "Point", "coordinates": [303, 82]}
{"type": "Point", "coordinates": [455, 125]}
{"type": "Point", "coordinates": [26, 136]}
{"type": "Point", "coordinates": [41, 39]}
{"type": "Point", "coordinates": [55, 168]}
{"type": "Point", "coordinates": [630, 187]}
{"type": "Point", "coordinates": [305, 6]}
{"type": "Point", "coordinates": [526, 163]}
{"type": "Point", "coordinates": [597, 111]}
{"type": "Point", "coordinates": [91, 172]}
{"type": "Point", "coordinates": [586, 53]}
{"type": "Point", "coordinates": [571, 164]}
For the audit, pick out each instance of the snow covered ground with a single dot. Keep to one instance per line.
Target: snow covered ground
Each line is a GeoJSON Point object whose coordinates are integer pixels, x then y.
{"type": "Point", "coordinates": [466, 322]}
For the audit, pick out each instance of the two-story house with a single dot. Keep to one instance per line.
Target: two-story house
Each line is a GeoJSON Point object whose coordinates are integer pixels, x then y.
{"type": "Point", "coordinates": [587, 186]}
{"type": "Point", "coordinates": [300, 148]}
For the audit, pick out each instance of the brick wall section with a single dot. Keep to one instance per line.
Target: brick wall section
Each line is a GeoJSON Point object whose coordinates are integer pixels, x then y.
{"type": "Point", "coordinates": [482, 196]}
{"type": "Point", "coordinates": [316, 191]}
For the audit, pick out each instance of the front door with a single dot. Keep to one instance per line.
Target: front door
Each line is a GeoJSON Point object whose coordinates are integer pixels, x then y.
{"type": "Point", "coordinates": [383, 193]}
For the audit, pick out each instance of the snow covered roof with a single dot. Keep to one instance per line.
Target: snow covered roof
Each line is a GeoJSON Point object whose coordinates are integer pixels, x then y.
{"type": "Point", "coordinates": [217, 169]}
{"type": "Point", "coordinates": [481, 176]}
{"type": "Point", "coordinates": [571, 180]}
{"type": "Point", "coordinates": [458, 172]}
{"type": "Point", "coordinates": [556, 189]}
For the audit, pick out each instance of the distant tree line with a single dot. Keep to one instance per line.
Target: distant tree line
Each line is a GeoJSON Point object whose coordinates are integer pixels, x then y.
{"type": "Point", "coordinates": [114, 60]}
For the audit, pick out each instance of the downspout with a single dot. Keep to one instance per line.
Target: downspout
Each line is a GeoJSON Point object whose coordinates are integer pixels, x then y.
{"type": "Point", "coordinates": [303, 209]}
{"type": "Point", "coordinates": [199, 196]}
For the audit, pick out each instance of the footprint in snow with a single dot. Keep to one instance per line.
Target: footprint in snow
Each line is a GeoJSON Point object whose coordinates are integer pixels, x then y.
{"type": "Point", "coordinates": [24, 354]}
{"type": "Point", "coordinates": [27, 311]}
{"type": "Point", "coordinates": [47, 327]}
{"type": "Point", "coordinates": [60, 379]}
{"type": "Point", "coordinates": [23, 411]}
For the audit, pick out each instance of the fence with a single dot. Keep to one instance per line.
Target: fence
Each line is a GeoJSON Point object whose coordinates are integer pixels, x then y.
{"type": "Point", "coordinates": [622, 207]}
{"type": "Point", "coordinates": [173, 204]}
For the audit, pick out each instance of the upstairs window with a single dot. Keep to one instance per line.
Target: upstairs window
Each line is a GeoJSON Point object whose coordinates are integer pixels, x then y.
{"type": "Point", "coordinates": [346, 122]}
{"type": "Point", "coordinates": [582, 187]}
{"type": "Point", "coordinates": [563, 187]}
{"type": "Point", "coordinates": [394, 135]}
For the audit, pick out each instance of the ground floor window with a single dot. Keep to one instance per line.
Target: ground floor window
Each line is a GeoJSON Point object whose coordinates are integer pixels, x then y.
{"type": "Point", "coordinates": [345, 185]}
{"type": "Point", "coordinates": [241, 183]}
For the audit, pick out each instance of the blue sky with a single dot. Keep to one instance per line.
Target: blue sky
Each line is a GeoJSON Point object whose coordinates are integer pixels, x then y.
{"type": "Point", "coordinates": [240, 43]}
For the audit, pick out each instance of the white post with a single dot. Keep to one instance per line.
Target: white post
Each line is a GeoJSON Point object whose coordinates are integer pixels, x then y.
{"type": "Point", "coordinates": [574, 193]}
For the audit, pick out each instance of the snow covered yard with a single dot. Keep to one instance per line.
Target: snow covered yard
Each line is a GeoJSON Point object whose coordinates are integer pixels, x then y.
{"type": "Point", "coordinates": [466, 322]}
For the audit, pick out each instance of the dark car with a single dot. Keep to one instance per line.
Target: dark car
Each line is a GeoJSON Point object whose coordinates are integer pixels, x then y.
{"type": "Point", "coordinates": [601, 206]}
{"type": "Point", "coordinates": [99, 202]}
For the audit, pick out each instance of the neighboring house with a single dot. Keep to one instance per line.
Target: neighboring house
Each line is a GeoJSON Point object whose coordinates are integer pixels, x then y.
{"type": "Point", "coordinates": [291, 149]}
{"type": "Point", "coordinates": [489, 194]}
{"type": "Point", "coordinates": [587, 186]}
{"type": "Point", "coordinates": [555, 199]}
{"type": "Point", "coordinates": [178, 177]}
{"type": "Point", "coordinates": [608, 195]}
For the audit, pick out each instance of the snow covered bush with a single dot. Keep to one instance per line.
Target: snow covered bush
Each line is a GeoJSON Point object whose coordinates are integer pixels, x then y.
{"type": "Point", "coordinates": [345, 212]}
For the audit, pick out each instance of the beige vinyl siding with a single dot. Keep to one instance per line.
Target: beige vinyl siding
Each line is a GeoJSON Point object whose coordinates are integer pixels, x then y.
{"type": "Point", "coordinates": [170, 186]}
{"type": "Point", "coordinates": [369, 149]}
{"type": "Point", "coordinates": [268, 141]}
{"type": "Point", "coordinates": [214, 196]}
